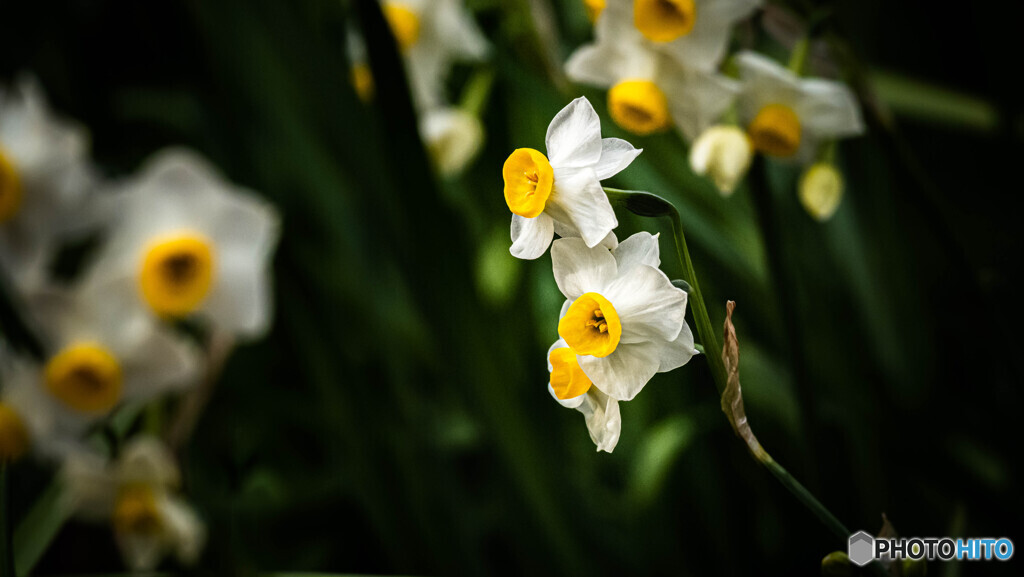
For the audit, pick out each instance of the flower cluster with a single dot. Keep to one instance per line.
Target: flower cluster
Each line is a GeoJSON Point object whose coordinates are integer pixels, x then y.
{"type": "Point", "coordinates": [432, 36]}
{"type": "Point", "coordinates": [662, 62]}
{"type": "Point", "coordinates": [623, 319]}
{"type": "Point", "coordinates": [173, 244]}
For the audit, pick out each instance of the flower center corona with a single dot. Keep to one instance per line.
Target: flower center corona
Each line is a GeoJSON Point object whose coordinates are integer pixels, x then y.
{"type": "Point", "coordinates": [13, 434]}
{"type": "Point", "coordinates": [776, 130]}
{"type": "Point", "coordinates": [639, 106]}
{"type": "Point", "coordinates": [85, 377]}
{"type": "Point", "coordinates": [529, 180]}
{"type": "Point", "coordinates": [594, 9]}
{"type": "Point", "coordinates": [567, 378]}
{"type": "Point", "coordinates": [404, 23]}
{"type": "Point", "coordinates": [177, 273]}
{"type": "Point", "coordinates": [10, 188]}
{"type": "Point", "coordinates": [664, 20]}
{"type": "Point", "coordinates": [591, 326]}
{"type": "Point", "coordinates": [136, 512]}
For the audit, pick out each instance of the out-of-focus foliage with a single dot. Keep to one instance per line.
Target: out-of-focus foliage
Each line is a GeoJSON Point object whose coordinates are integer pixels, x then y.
{"type": "Point", "coordinates": [397, 420]}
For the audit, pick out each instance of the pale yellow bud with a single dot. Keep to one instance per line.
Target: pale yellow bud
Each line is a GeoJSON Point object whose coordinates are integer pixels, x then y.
{"type": "Point", "coordinates": [453, 138]}
{"type": "Point", "coordinates": [821, 189]}
{"type": "Point", "coordinates": [723, 154]}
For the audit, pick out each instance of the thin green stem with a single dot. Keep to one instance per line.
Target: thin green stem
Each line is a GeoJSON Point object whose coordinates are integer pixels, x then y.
{"type": "Point", "coordinates": [6, 543]}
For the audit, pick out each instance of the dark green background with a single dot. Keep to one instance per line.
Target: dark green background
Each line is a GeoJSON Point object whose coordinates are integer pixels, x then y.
{"type": "Point", "coordinates": [397, 420]}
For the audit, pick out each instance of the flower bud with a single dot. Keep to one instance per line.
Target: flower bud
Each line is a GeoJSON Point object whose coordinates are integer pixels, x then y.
{"type": "Point", "coordinates": [821, 189]}
{"type": "Point", "coordinates": [723, 154]}
{"type": "Point", "coordinates": [453, 138]}
{"type": "Point", "coordinates": [837, 564]}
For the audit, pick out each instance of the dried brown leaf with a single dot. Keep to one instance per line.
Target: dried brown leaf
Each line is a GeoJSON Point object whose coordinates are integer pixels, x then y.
{"type": "Point", "coordinates": [732, 397]}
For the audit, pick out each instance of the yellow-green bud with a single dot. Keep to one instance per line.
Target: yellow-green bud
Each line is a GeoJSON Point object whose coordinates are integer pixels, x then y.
{"type": "Point", "coordinates": [821, 190]}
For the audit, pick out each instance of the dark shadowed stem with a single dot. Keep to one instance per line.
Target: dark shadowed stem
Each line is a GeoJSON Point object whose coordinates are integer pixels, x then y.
{"type": "Point", "coordinates": [6, 531]}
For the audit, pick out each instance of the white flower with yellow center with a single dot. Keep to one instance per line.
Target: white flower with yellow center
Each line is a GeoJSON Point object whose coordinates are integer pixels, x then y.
{"type": "Point", "coordinates": [191, 244]}
{"type": "Point", "coordinates": [693, 32]}
{"type": "Point", "coordinates": [561, 192]}
{"type": "Point", "coordinates": [99, 354]}
{"type": "Point", "coordinates": [723, 154]}
{"type": "Point", "coordinates": [138, 495]}
{"type": "Point", "coordinates": [788, 116]}
{"type": "Point", "coordinates": [571, 387]}
{"type": "Point", "coordinates": [45, 179]}
{"type": "Point", "coordinates": [648, 91]}
{"type": "Point", "coordinates": [624, 319]}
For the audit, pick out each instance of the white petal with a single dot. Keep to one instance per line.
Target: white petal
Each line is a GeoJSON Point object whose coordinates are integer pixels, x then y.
{"type": "Point", "coordinates": [241, 302]}
{"type": "Point", "coordinates": [828, 110]}
{"type": "Point", "coordinates": [574, 136]}
{"type": "Point", "coordinates": [641, 248]}
{"type": "Point", "coordinates": [704, 47]}
{"type": "Point", "coordinates": [622, 374]}
{"type": "Point", "coordinates": [453, 138]}
{"type": "Point", "coordinates": [765, 82]}
{"type": "Point", "coordinates": [454, 27]}
{"type": "Point", "coordinates": [604, 421]}
{"type": "Point", "coordinates": [157, 362]}
{"type": "Point", "coordinates": [147, 460]}
{"type": "Point", "coordinates": [697, 99]}
{"type": "Point", "coordinates": [531, 236]}
{"type": "Point", "coordinates": [185, 531]}
{"type": "Point", "coordinates": [616, 155]}
{"type": "Point", "coordinates": [579, 269]}
{"type": "Point", "coordinates": [649, 306]}
{"type": "Point", "coordinates": [579, 201]}
{"type": "Point", "coordinates": [677, 353]}
{"type": "Point", "coordinates": [142, 552]}
{"type": "Point", "coordinates": [567, 403]}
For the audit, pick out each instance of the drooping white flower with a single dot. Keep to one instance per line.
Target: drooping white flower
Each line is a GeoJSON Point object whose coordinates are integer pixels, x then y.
{"type": "Point", "coordinates": [190, 243]}
{"type": "Point", "coordinates": [788, 116]}
{"type": "Point", "coordinates": [723, 154]}
{"type": "Point", "coordinates": [45, 180]}
{"type": "Point", "coordinates": [98, 355]}
{"type": "Point", "coordinates": [561, 192]}
{"type": "Point", "coordinates": [623, 317]}
{"type": "Point", "coordinates": [695, 33]}
{"type": "Point", "coordinates": [648, 90]}
{"type": "Point", "coordinates": [432, 35]}
{"type": "Point", "coordinates": [571, 387]}
{"type": "Point", "coordinates": [453, 138]}
{"type": "Point", "coordinates": [821, 190]}
{"type": "Point", "coordinates": [138, 495]}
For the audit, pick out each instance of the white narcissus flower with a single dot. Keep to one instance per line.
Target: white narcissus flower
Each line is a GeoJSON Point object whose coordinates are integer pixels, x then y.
{"type": "Point", "coordinates": [137, 494]}
{"type": "Point", "coordinates": [648, 90]}
{"type": "Point", "coordinates": [723, 154]}
{"type": "Point", "coordinates": [571, 387]}
{"type": "Point", "coordinates": [453, 137]}
{"type": "Point", "coordinates": [694, 32]}
{"type": "Point", "coordinates": [821, 190]}
{"type": "Point", "coordinates": [45, 180]}
{"type": "Point", "coordinates": [561, 192]}
{"type": "Point", "coordinates": [98, 355]}
{"type": "Point", "coordinates": [789, 116]}
{"type": "Point", "coordinates": [624, 318]}
{"type": "Point", "coordinates": [189, 243]}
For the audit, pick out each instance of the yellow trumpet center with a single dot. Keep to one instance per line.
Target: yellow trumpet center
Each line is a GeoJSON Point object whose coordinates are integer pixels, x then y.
{"type": "Point", "coordinates": [776, 130]}
{"type": "Point", "coordinates": [591, 326]}
{"type": "Point", "coordinates": [639, 106]}
{"type": "Point", "coordinates": [177, 274]}
{"type": "Point", "coordinates": [529, 180]}
{"type": "Point", "coordinates": [664, 20]}
{"type": "Point", "coordinates": [567, 378]}
{"type": "Point", "coordinates": [136, 511]}
{"type": "Point", "coordinates": [10, 188]}
{"type": "Point", "coordinates": [13, 434]}
{"type": "Point", "coordinates": [362, 81]}
{"type": "Point", "coordinates": [404, 23]}
{"type": "Point", "coordinates": [594, 9]}
{"type": "Point", "coordinates": [85, 377]}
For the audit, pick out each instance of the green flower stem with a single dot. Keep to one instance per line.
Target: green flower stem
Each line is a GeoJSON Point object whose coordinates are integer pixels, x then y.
{"type": "Point", "coordinates": [477, 91]}
{"type": "Point", "coordinates": [6, 543]}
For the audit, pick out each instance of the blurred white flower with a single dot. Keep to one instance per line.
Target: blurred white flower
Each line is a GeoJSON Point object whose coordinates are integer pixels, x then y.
{"type": "Point", "coordinates": [821, 190]}
{"type": "Point", "coordinates": [723, 154]}
{"type": "Point", "coordinates": [432, 35]}
{"type": "Point", "coordinates": [571, 387]}
{"type": "Point", "coordinates": [648, 90]}
{"type": "Point", "coordinates": [453, 138]}
{"type": "Point", "coordinates": [562, 192]}
{"type": "Point", "coordinates": [45, 179]}
{"type": "Point", "coordinates": [190, 243]}
{"type": "Point", "coordinates": [137, 494]}
{"type": "Point", "coordinates": [100, 354]}
{"type": "Point", "coordinates": [624, 318]}
{"type": "Point", "coordinates": [789, 116]}
{"type": "Point", "coordinates": [695, 33]}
